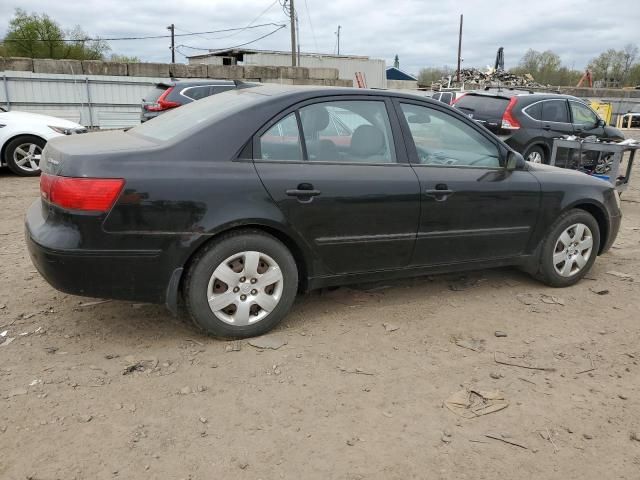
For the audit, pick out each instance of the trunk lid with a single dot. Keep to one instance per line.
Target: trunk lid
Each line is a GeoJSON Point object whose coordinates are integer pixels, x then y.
{"type": "Point", "coordinates": [487, 110]}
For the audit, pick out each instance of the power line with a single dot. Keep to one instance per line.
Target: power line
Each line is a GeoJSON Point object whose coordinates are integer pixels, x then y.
{"type": "Point", "coordinates": [315, 40]}
{"type": "Point", "coordinates": [211, 50]}
{"type": "Point", "coordinates": [239, 31]}
{"type": "Point", "coordinates": [113, 39]}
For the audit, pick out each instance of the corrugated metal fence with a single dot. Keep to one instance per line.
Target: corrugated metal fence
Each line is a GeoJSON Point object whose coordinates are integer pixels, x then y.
{"type": "Point", "coordinates": [91, 100]}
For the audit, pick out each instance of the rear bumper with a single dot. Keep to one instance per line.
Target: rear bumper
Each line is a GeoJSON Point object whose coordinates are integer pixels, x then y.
{"type": "Point", "coordinates": [136, 275]}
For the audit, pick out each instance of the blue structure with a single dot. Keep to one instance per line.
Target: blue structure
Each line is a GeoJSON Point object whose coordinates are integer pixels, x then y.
{"type": "Point", "coordinates": [394, 73]}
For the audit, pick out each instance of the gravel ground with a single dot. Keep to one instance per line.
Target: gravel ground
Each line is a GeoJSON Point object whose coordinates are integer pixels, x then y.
{"type": "Point", "coordinates": [357, 389]}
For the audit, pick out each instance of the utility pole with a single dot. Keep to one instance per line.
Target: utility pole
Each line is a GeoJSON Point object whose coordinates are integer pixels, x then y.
{"type": "Point", "coordinates": [459, 50]}
{"type": "Point", "coordinates": [172, 28]}
{"type": "Point", "coordinates": [298, 38]}
{"type": "Point", "coordinates": [338, 34]}
{"type": "Point", "coordinates": [292, 15]}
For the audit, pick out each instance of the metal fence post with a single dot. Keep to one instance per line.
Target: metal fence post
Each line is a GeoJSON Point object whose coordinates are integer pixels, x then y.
{"type": "Point", "coordinates": [6, 91]}
{"type": "Point", "coordinates": [86, 82]}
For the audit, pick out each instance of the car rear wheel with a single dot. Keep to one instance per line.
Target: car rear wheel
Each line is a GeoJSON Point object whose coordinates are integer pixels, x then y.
{"type": "Point", "coordinates": [23, 154]}
{"type": "Point", "coordinates": [241, 285]}
{"type": "Point", "coordinates": [569, 250]}
{"type": "Point", "coordinates": [536, 154]}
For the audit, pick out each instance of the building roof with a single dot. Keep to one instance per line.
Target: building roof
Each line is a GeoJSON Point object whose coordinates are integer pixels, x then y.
{"type": "Point", "coordinates": [234, 52]}
{"type": "Point", "coordinates": [394, 73]}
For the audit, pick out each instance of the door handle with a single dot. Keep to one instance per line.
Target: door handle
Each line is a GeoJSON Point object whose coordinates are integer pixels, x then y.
{"type": "Point", "coordinates": [546, 127]}
{"type": "Point", "coordinates": [305, 192]}
{"type": "Point", "coordinates": [296, 192]}
{"type": "Point", "coordinates": [441, 192]}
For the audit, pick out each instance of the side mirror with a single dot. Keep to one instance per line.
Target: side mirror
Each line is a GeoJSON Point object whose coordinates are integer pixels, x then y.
{"type": "Point", "coordinates": [601, 123]}
{"type": "Point", "coordinates": [513, 160]}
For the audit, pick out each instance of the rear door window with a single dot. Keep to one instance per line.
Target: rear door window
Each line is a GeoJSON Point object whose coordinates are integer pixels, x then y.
{"type": "Point", "coordinates": [366, 123]}
{"type": "Point", "coordinates": [555, 111]}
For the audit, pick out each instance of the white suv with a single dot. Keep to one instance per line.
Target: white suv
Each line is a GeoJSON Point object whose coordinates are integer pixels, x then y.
{"type": "Point", "coordinates": [23, 136]}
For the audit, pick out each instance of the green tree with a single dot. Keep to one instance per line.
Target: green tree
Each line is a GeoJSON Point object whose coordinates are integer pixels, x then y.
{"type": "Point", "coordinates": [428, 75]}
{"type": "Point", "coordinates": [38, 36]}
{"type": "Point", "coordinates": [123, 58]}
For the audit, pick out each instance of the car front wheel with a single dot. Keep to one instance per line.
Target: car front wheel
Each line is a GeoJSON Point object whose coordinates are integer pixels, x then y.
{"type": "Point", "coordinates": [569, 250]}
{"type": "Point", "coordinates": [241, 285]}
{"type": "Point", "coordinates": [23, 154]}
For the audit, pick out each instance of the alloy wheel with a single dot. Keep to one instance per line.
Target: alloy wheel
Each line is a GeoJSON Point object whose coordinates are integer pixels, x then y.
{"type": "Point", "coordinates": [534, 157]}
{"type": "Point", "coordinates": [27, 157]}
{"type": "Point", "coordinates": [573, 250]}
{"type": "Point", "coordinates": [245, 288]}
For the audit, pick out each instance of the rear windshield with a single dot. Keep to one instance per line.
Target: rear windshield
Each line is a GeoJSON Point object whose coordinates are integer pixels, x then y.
{"type": "Point", "coordinates": [482, 106]}
{"type": "Point", "coordinates": [154, 94]}
{"type": "Point", "coordinates": [179, 120]}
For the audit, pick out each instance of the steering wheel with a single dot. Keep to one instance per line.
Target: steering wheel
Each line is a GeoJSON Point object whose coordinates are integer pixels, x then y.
{"type": "Point", "coordinates": [426, 156]}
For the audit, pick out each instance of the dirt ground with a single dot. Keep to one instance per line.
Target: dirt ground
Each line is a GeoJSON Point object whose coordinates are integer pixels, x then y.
{"type": "Point", "coordinates": [120, 390]}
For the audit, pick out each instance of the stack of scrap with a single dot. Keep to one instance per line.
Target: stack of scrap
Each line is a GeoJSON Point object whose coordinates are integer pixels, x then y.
{"type": "Point", "coordinates": [494, 78]}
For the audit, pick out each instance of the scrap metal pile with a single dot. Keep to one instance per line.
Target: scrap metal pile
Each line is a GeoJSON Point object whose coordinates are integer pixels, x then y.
{"type": "Point", "coordinates": [490, 78]}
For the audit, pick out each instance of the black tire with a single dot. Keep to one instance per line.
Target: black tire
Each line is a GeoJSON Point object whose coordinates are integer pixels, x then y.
{"type": "Point", "coordinates": [546, 270]}
{"type": "Point", "coordinates": [536, 150]}
{"type": "Point", "coordinates": [213, 255]}
{"type": "Point", "coordinates": [11, 150]}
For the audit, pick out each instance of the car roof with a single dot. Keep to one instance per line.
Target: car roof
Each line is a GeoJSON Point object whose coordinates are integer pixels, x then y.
{"type": "Point", "coordinates": [510, 93]}
{"type": "Point", "coordinates": [176, 82]}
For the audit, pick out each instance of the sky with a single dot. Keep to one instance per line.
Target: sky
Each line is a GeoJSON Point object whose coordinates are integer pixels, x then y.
{"type": "Point", "coordinates": [423, 33]}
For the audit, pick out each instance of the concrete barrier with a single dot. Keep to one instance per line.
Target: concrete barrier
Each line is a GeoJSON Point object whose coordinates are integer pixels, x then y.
{"type": "Point", "coordinates": [148, 69]}
{"type": "Point", "coordinates": [258, 71]}
{"type": "Point", "coordinates": [20, 64]}
{"type": "Point", "coordinates": [323, 73]}
{"type": "Point", "coordinates": [180, 70]}
{"type": "Point", "coordinates": [293, 72]}
{"type": "Point", "coordinates": [97, 67]}
{"type": "Point", "coordinates": [225, 72]}
{"type": "Point", "coordinates": [46, 65]}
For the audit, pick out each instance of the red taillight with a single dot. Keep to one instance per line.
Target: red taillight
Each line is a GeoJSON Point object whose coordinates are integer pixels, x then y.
{"type": "Point", "coordinates": [162, 103]}
{"type": "Point", "coordinates": [456, 99]}
{"type": "Point", "coordinates": [508, 120]}
{"type": "Point", "coordinates": [86, 194]}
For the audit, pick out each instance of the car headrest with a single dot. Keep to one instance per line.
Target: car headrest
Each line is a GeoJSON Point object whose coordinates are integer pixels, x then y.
{"type": "Point", "coordinates": [367, 140]}
{"type": "Point", "coordinates": [314, 119]}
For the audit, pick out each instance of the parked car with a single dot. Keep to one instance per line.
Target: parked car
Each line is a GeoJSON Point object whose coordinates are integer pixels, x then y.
{"type": "Point", "coordinates": [23, 136]}
{"type": "Point", "coordinates": [447, 97]}
{"type": "Point", "coordinates": [630, 120]}
{"type": "Point", "coordinates": [528, 122]}
{"type": "Point", "coordinates": [167, 95]}
{"type": "Point", "coordinates": [207, 203]}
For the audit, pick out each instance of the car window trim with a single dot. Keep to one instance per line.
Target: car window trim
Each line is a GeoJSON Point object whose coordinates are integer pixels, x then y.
{"type": "Point", "coordinates": [412, 150]}
{"type": "Point", "coordinates": [198, 86]}
{"type": "Point", "coordinates": [394, 122]}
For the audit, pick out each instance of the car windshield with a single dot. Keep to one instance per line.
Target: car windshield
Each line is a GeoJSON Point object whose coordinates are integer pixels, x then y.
{"type": "Point", "coordinates": [179, 120]}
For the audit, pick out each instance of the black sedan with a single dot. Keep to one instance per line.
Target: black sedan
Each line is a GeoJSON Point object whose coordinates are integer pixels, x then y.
{"type": "Point", "coordinates": [233, 204]}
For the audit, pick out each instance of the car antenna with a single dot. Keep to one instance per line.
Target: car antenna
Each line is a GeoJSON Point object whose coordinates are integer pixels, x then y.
{"type": "Point", "coordinates": [241, 84]}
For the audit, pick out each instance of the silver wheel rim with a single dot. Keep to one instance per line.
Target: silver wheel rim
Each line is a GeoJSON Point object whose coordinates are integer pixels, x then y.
{"type": "Point", "coordinates": [535, 157]}
{"type": "Point", "coordinates": [27, 157]}
{"type": "Point", "coordinates": [245, 288]}
{"type": "Point", "coordinates": [573, 250]}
